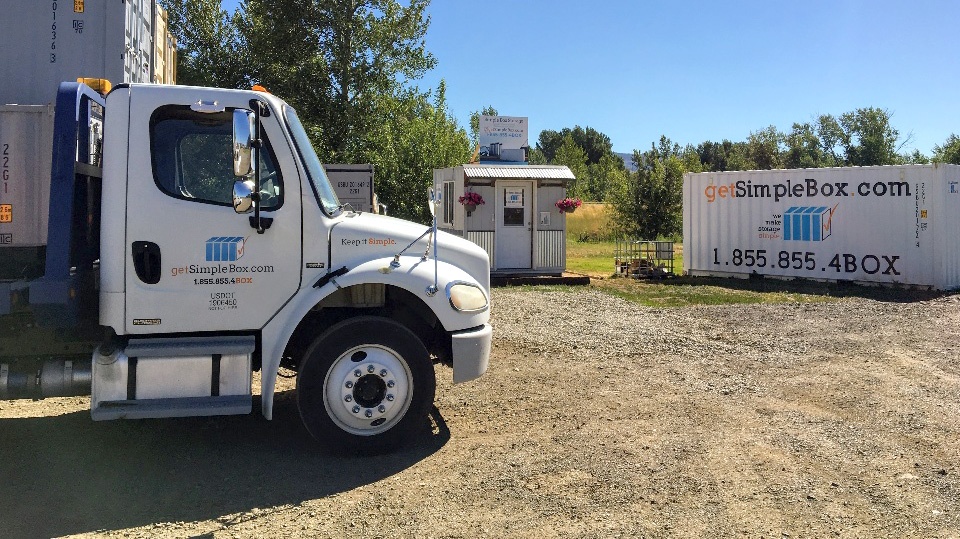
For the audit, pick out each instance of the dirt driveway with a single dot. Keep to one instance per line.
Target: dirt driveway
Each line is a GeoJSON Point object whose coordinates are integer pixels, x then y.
{"type": "Point", "coordinates": [598, 418]}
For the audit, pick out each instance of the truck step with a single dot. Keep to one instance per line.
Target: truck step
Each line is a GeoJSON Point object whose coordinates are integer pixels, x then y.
{"type": "Point", "coordinates": [174, 377]}
{"type": "Point", "coordinates": [178, 407]}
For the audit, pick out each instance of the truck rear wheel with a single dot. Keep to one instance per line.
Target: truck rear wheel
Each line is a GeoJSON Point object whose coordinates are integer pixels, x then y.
{"type": "Point", "coordinates": [365, 385]}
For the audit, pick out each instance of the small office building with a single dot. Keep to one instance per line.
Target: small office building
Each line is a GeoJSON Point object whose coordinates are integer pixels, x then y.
{"type": "Point", "coordinates": [509, 210]}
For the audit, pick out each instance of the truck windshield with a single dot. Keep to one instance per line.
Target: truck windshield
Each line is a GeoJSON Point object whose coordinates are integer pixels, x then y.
{"type": "Point", "coordinates": [318, 178]}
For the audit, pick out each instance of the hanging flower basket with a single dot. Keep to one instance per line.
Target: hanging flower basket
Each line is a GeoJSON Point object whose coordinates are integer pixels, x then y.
{"type": "Point", "coordinates": [470, 201]}
{"type": "Point", "coordinates": [568, 205]}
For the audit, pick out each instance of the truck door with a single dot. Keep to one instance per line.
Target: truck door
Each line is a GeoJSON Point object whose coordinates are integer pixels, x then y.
{"type": "Point", "coordinates": [192, 263]}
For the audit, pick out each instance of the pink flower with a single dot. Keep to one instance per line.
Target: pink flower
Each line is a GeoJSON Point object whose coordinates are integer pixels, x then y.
{"type": "Point", "coordinates": [472, 198]}
{"type": "Point", "coordinates": [568, 203]}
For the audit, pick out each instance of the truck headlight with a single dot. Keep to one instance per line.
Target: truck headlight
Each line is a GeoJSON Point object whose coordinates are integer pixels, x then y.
{"type": "Point", "coordinates": [466, 297]}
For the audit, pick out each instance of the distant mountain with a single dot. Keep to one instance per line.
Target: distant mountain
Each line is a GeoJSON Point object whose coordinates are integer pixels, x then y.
{"type": "Point", "coordinates": [628, 161]}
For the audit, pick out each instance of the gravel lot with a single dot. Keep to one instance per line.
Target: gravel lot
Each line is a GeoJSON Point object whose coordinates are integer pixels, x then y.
{"type": "Point", "coordinates": [597, 418]}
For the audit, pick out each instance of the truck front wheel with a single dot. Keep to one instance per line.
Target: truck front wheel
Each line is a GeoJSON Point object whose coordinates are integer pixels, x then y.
{"type": "Point", "coordinates": [365, 385]}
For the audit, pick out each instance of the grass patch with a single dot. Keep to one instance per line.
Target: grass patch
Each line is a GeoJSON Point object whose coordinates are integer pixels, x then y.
{"type": "Point", "coordinates": [589, 258]}
{"type": "Point", "coordinates": [594, 257]}
{"type": "Point", "coordinates": [591, 222]}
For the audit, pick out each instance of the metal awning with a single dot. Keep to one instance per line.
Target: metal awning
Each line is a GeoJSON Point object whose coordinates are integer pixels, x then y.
{"type": "Point", "coordinates": [518, 172]}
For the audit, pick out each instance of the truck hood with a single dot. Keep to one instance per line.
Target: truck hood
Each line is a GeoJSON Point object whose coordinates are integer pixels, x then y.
{"type": "Point", "coordinates": [358, 238]}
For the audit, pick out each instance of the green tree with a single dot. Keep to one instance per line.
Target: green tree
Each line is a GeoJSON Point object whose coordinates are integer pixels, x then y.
{"type": "Point", "coordinates": [475, 122]}
{"type": "Point", "coordinates": [833, 140]}
{"type": "Point", "coordinates": [571, 155]}
{"type": "Point", "coordinates": [416, 137]}
{"type": "Point", "coordinates": [650, 204]}
{"type": "Point", "coordinates": [713, 155]}
{"type": "Point", "coordinates": [763, 149]}
{"type": "Point", "coordinates": [209, 45]}
{"type": "Point", "coordinates": [604, 177]}
{"type": "Point", "coordinates": [869, 137]}
{"type": "Point", "coordinates": [594, 144]}
{"type": "Point", "coordinates": [739, 157]}
{"type": "Point", "coordinates": [803, 148]}
{"type": "Point", "coordinates": [536, 157]}
{"type": "Point", "coordinates": [690, 159]}
{"type": "Point", "coordinates": [598, 170]}
{"type": "Point", "coordinates": [948, 152]}
{"type": "Point", "coordinates": [914, 158]}
{"type": "Point", "coordinates": [336, 59]}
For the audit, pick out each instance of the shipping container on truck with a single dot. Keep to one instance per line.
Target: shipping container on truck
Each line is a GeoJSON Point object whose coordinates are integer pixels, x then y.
{"type": "Point", "coordinates": [892, 225]}
{"type": "Point", "coordinates": [45, 42]}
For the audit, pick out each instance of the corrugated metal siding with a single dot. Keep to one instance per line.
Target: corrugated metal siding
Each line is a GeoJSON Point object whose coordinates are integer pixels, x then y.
{"type": "Point", "coordinates": [946, 195]}
{"type": "Point", "coordinates": [164, 49]}
{"type": "Point", "coordinates": [45, 43]}
{"type": "Point", "coordinates": [518, 172]}
{"type": "Point", "coordinates": [551, 249]}
{"type": "Point", "coordinates": [138, 40]}
{"type": "Point", "coordinates": [485, 239]}
{"type": "Point", "coordinates": [26, 140]}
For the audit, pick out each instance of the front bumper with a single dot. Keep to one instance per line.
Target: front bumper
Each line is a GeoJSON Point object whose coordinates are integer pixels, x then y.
{"type": "Point", "coordinates": [471, 352]}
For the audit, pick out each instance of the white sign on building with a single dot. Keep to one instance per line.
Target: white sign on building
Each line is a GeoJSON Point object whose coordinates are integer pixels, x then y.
{"type": "Point", "coordinates": [504, 138]}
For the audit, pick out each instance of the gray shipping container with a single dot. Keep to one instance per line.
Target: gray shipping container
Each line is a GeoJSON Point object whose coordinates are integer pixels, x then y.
{"type": "Point", "coordinates": [26, 139]}
{"type": "Point", "coordinates": [353, 185]}
{"type": "Point", "coordinates": [46, 42]}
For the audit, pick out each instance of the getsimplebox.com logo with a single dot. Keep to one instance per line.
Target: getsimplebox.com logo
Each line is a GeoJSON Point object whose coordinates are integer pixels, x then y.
{"type": "Point", "coordinates": [808, 223]}
{"type": "Point", "coordinates": [224, 248]}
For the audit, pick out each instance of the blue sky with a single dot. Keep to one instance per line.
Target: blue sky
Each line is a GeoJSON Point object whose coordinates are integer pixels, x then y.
{"type": "Point", "coordinates": [697, 71]}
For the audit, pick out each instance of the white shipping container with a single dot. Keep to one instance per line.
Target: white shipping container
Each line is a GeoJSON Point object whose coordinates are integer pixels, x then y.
{"type": "Point", "coordinates": [889, 224]}
{"type": "Point", "coordinates": [26, 140]}
{"type": "Point", "coordinates": [44, 43]}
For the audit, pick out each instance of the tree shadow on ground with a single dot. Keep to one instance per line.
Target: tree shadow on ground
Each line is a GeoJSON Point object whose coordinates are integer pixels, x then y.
{"type": "Point", "coordinates": [66, 474]}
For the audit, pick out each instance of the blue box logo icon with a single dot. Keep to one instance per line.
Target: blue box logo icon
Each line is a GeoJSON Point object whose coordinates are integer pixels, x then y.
{"type": "Point", "coordinates": [808, 223]}
{"type": "Point", "coordinates": [225, 248]}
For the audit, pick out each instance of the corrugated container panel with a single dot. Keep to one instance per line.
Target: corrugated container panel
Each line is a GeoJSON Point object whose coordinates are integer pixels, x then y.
{"type": "Point", "coordinates": [947, 197]}
{"type": "Point", "coordinates": [138, 40]}
{"type": "Point", "coordinates": [26, 140]}
{"type": "Point", "coordinates": [164, 49]}
{"type": "Point", "coordinates": [45, 43]}
{"type": "Point", "coordinates": [551, 249]}
{"type": "Point", "coordinates": [485, 240]}
{"type": "Point", "coordinates": [891, 224]}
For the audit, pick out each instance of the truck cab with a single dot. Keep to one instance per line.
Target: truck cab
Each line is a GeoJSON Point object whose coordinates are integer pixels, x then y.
{"type": "Point", "coordinates": [224, 250]}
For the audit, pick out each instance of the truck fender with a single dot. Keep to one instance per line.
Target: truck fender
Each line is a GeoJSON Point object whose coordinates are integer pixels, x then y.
{"type": "Point", "coordinates": [413, 275]}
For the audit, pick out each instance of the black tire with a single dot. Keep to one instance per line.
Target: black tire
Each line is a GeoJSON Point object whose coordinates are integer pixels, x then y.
{"type": "Point", "coordinates": [365, 385]}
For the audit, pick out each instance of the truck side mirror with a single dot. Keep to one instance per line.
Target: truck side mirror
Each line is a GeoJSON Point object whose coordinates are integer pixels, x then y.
{"type": "Point", "coordinates": [243, 130]}
{"type": "Point", "coordinates": [243, 196]}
